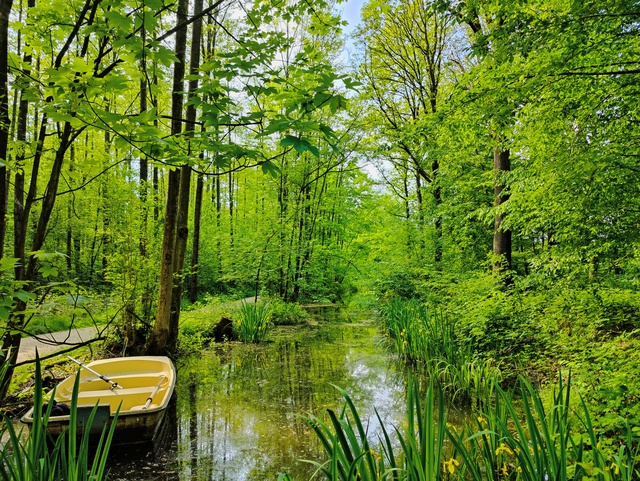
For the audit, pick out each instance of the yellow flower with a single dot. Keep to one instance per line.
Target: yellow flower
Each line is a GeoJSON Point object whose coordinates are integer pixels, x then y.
{"type": "Point", "coordinates": [376, 456]}
{"type": "Point", "coordinates": [503, 448]}
{"type": "Point", "coordinates": [504, 469]}
{"type": "Point", "coordinates": [451, 465]}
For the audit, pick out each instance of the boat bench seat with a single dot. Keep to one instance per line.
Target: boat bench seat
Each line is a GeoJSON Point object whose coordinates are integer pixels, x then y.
{"type": "Point", "coordinates": [116, 392]}
{"type": "Point", "coordinates": [129, 397]}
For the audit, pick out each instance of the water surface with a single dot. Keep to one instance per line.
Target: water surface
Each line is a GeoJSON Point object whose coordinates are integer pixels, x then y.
{"type": "Point", "coordinates": [237, 413]}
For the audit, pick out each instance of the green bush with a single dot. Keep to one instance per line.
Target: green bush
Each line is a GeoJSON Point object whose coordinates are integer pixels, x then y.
{"type": "Point", "coordinates": [201, 318]}
{"type": "Point", "coordinates": [286, 313]}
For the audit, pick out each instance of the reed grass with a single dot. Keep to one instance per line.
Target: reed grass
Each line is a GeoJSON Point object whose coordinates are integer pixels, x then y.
{"type": "Point", "coordinates": [252, 321]}
{"type": "Point", "coordinates": [524, 440]}
{"type": "Point", "coordinates": [351, 456]}
{"type": "Point", "coordinates": [35, 456]}
{"type": "Point", "coordinates": [431, 339]}
{"type": "Point", "coordinates": [509, 439]}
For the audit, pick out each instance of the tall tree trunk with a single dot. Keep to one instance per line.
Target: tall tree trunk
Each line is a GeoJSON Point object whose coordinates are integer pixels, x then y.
{"type": "Point", "coordinates": [421, 222]}
{"type": "Point", "coordinates": [180, 248]}
{"type": "Point", "coordinates": [231, 219]}
{"type": "Point", "coordinates": [195, 250]}
{"type": "Point", "coordinates": [72, 155]}
{"type": "Point", "coordinates": [182, 228]}
{"type": "Point", "coordinates": [131, 332]}
{"type": "Point", "coordinates": [218, 200]}
{"type": "Point", "coordinates": [156, 196]}
{"type": "Point", "coordinates": [157, 342]}
{"type": "Point", "coordinates": [5, 9]}
{"type": "Point", "coordinates": [106, 215]}
{"type": "Point", "coordinates": [159, 338]}
{"type": "Point", "coordinates": [144, 162]}
{"type": "Point", "coordinates": [501, 236]}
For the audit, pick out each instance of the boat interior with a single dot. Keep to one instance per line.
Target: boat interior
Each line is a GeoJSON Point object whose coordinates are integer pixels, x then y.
{"type": "Point", "coordinates": [132, 392]}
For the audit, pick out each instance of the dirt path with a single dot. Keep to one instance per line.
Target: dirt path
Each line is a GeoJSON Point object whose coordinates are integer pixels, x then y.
{"type": "Point", "coordinates": [45, 342]}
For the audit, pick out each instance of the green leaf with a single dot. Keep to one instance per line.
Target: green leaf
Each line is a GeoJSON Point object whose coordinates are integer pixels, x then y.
{"type": "Point", "coordinates": [8, 263]}
{"type": "Point", "coordinates": [277, 126]}
{"type": "Point", "coordinates": [123, 23]}
{"type": "Point", "coordinates": [24, 296]}
{"type": "Point", "coordinates": [300, 145]}
{"type": "Point", "coordinates": [270, 168]}
{"type": "Point", "coordinates": [327, 131]}
{"type": "Point", "coordinates": [48, 271]}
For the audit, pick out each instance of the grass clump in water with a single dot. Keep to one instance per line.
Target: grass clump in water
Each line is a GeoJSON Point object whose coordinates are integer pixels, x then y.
{"type": "Point", "coordinates": [431, 339]}
{"type": "Point", "coordinates": [527, 441]}
{"type": "Point", "coordinates": [252, 321]}
{"type": "Point", "coordinates": [352, 457]}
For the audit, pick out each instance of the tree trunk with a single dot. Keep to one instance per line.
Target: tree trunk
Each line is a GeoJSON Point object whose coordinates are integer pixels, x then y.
{"type": "Point", "coordinates": [182, 229]}
{"type": "Point", "coordinates": [5, 9]}
{"type": "Point", "coordinates": [195, 250]}
{"type": "Point", "coordinates": [501, 237]}
{"type": "Point", "coordinates": [144, 162]}
{"type": "Point", "coordinates": [182, 234]}
{"type": "Point", "coordinates": [231, 220]}
{"type": "Point", "coordinates": [159, 338]}
{"type": "Point", "coordinates": [106, 215]}
{"type": "Point", "coordinates": [437, 199]}
{"type": "Point", "coordinates": [421, 222]}
{"type": "Point", "coordinates": [218, 200]}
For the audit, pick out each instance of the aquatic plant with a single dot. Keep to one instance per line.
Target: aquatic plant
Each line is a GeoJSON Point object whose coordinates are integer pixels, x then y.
{"type": "Point", "coordinates": [36, 457]}
{"type": "Point", "coordinates": [523, 440]}
{"type": "Point", "coordinates": [510, 438]}
{"type": "Point", "coordinates": [352, 457]}
{"type": "Point", "coordinates": [252, 321]}
{"type": "Point", "coordinates": [430, 339]}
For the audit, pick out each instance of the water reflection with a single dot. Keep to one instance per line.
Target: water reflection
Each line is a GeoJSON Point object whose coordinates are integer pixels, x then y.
{"type": "Point", "coordinates": [237, 406]}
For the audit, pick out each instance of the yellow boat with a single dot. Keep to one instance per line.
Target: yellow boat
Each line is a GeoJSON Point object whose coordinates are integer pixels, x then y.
{"type": "Point", "coordinates": [140, 386]}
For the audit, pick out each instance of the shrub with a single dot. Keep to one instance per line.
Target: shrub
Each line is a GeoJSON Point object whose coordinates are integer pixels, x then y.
{"type": "Point", "coordinates": [286, 313]}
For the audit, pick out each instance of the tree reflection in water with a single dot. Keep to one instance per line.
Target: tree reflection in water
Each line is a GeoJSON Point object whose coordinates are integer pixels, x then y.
{"type": "Point", "coordinates": [237, 405]}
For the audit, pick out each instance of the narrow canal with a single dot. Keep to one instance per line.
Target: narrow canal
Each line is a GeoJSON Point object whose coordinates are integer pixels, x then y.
{"type": "Point", "coordinates": [237, 409]}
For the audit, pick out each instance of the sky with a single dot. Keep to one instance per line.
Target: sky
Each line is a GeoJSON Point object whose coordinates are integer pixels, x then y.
{"type": "Point", "coordinates": [351, 12]}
